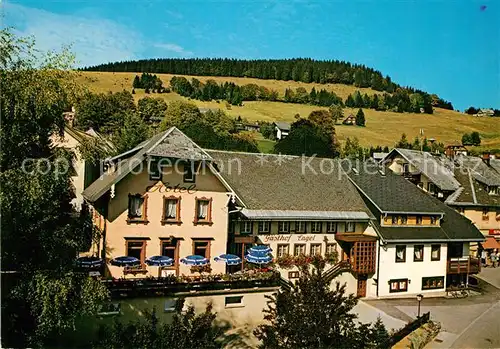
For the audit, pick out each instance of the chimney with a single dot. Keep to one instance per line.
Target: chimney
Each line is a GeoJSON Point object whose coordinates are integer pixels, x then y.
{"type": "Point", "coordinates": [486, 158]}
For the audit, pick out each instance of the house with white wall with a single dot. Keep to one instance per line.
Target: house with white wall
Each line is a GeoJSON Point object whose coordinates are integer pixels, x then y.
{"type": "Point", "coordinates": [424, 245]}
{"type": "Point", "coordinates": [282, 129]}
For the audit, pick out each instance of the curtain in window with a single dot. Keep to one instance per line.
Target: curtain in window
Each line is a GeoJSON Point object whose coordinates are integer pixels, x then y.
{"type": "Point", "coordinates": [400, 254]}
{"type": "Point", "coordinates": [435, 253]}
{"type": "Point", "coordinates": [418, 253]}
{"type": "Point", "coordinates": [202, 209]}
{"type": "Point", "coordinates": [136, 207]}
{"type": "Point", "coordinates": [171, 208]}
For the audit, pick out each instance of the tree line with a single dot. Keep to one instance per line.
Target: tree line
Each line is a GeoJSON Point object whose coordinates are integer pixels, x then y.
{"type": "Point", "coordinates": [296, 69]}
{"type": "Point", "coordinates": [399, 101]}
{"type": "Point", "coordinates": [149, 82]}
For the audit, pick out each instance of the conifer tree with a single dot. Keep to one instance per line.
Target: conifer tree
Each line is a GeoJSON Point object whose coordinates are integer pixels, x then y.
{"type": "Point", "coordinates": [360, 118]}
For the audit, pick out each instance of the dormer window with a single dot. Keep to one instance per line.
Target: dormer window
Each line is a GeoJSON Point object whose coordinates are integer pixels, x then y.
{"type": "Point", "coordinates": [419, 220]}
{"type": "Point", "coordinates": [403, 220]}
{"type": "Point", "coordinates": [434, 220]}
{"type": "Point", "coordinates": [154, 169]}
{"type": "Point", "coordinates": [493, 190]}
{"type": "Point", "coordinates": [189, 172]}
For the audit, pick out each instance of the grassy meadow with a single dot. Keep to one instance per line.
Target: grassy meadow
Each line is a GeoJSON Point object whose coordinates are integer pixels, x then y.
{"type": "Point", "coordinates": [382, 128]}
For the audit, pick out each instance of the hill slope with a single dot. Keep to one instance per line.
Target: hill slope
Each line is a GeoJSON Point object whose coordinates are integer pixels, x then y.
{"type": "Point", "coordinates": [383, 128]}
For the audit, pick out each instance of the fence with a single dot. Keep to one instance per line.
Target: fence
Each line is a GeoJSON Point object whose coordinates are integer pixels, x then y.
{"type": "Point", "coordinates": [409, 328]}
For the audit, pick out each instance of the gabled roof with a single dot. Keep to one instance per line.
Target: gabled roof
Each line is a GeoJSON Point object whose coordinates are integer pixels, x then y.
{"type": "Point", "coordinates": [391, 193]}
{"type": "Point", "coordinates": [171, 143]}
{"type": "Point", "coordinates": [480, 171]}
{"type": "Point", "coordinates": [81, 136]}
{"type": "Point", "coordinates": [437, 169]}
{"type": "Point", "coordinates": [282, 125]}
{"type": "Point", "coordinates": [274, 186]}
{"type": "Point", "coordinates": [495, 164]}
{"type": "Point", "coordinates": [471, 193]}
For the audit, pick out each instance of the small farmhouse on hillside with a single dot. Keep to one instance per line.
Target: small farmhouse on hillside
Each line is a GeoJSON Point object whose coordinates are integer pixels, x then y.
{"type": "Point", "coordinates": [350, 120]}
{"type": "Point", "coordinates": [282, 129]}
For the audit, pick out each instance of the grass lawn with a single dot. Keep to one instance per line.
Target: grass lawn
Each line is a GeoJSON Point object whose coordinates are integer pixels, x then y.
{"type": "Point", "coordinates": [265, 145]}
{"type": "Point", "coordinates": [382, 128]}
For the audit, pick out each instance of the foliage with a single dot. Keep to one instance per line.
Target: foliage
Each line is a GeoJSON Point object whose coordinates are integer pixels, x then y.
{"type": "Point", "coordinates": [311, 315]}
{"type": "Point", "coordinates": [201, 269]}
{"type": "Point", "coordinates": [148, 81]}
{"type": "Point", "coordinates": [471, 139]}
{"type": "Point", "coordinates": [133, 132]}
{"type": "Point", "coordinates": [288, 261]}
{"type": "Point", "coordinates": [187, 330]}
{"type": "Point", "coordinates": [41, 234]}
{"type": "Point", "coordinates": [93, 151]}
{"type": "Point", "coordinates": [360, 118]}
{"type": "Point", "coordinates": [151, 110]}
{"type": "Point", "coordinates": [103, 112]}
{"type": "Point", "coordinates": [352, 149]}
{"type": "Point", "coordinates": [336, 112]}
{"type": "Point", "coordinates": [308, 139]}
{"type": "Point", "coordinates": [403, 142]}
{"type": "Point", "coordinates": [267, 130]}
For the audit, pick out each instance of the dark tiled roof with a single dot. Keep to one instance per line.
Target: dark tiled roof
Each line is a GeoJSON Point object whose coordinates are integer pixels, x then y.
{"type": "Point", "coordinates": [271, 182]}
{"type": "Point", "coordinates": [480, 171]}
{"type": "Point", "coordinates": [393, 193]}
{"type": "Point", "coordinates": [282, 125]}
{"type": "Point", "coordinates": [471, 192]}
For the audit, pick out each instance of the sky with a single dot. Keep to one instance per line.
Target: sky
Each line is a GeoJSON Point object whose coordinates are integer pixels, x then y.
{"type": "Point", "coordinates": [451, 48]}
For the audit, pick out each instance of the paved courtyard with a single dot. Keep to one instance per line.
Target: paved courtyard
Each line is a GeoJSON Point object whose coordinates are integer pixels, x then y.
{"type": "Point", "coordinates": [472, 322]}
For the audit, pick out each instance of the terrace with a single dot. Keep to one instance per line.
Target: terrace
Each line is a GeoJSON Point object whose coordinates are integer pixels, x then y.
{"type": "Point", "coordinates": [152, 286]}
{"type": "Point", "coordinates": [463, 265]}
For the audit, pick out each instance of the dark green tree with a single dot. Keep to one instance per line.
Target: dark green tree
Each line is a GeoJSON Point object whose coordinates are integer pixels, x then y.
{"type": "Point", "coordinates": [311, 315]}
{"type": "Point", "coordinates": [133, 132]}
{"type": "Point", "coordinates": [151, 110]}
{"type": "Point", "coordinates": [137, 82]}
{"type": "Point", "coordinates": [360, 118]}
{"type": "Point", "coordinates": [403, 142]}
{"type": "Point", "coordinates": [308, 139]}
{"type": "Point", "coordinates": [475, 138]}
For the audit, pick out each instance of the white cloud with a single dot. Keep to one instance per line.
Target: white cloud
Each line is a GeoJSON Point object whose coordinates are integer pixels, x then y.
{"type": "Point", "coordinates": [93, 40]}
{"type": "Point", "coordinates": [173, 48]}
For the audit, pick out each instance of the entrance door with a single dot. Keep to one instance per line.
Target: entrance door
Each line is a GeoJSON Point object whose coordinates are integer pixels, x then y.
{"type": "Point", "coordinates": [361, 286]}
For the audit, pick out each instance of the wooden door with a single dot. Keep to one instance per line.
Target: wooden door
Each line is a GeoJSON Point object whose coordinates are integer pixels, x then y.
{"type": "Point", "coordinates": [361, 286]}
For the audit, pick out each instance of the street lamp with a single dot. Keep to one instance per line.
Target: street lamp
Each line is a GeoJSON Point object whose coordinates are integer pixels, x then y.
{"type": "Point", "coordinates": [419, 299]}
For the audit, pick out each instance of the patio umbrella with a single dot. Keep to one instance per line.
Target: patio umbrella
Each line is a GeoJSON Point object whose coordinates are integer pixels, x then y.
{"type": "Point", "coordinates": [125, 261]}
{"type": "Point", "coordinates": [260, 250]}
{"type": "Point", "coordinates": [159, 261]}
{"type": "Point", "coordinates": [89, 262]}
{"type": "Point", "coordinates": [257, 259]}
{"type": "Point", "coordinates": [195, 260]}
{"type": "Point", "coordinates": [229, 259]}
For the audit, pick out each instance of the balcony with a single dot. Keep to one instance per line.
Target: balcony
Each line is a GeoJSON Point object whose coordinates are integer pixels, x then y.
{"type": "Point", "coordinates": [463, 265]}
{"type": "Point", "coordinates": [214, 283]}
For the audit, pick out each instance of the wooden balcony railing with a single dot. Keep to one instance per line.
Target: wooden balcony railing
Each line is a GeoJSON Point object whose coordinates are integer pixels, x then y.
{"type": "Point", "coordinates": [464, 265]}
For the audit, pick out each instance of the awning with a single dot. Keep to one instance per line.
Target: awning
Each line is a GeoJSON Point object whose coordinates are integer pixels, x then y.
{"type": "Point", "coordinates": [490, 243]}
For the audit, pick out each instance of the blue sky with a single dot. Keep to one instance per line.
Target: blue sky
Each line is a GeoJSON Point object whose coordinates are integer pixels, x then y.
{"type": "Point", "coordinates": [451, 48]}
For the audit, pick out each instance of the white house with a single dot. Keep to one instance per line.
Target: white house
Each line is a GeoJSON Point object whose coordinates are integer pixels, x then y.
{"type": "Point", "coordinates": [282, 129]}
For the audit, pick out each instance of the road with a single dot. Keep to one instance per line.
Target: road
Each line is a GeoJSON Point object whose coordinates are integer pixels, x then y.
{"type": "Point", "coordinates": [472, 322]}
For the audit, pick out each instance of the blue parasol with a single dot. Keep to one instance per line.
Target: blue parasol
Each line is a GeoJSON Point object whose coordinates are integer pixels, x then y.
{"type": "Point", "coordinates": [89, 262]}
{"type": "Point", "coordinates": [259, 250]}
{"type": "Point", "coordinates": [125, 261]}
{"type": "Point", "coordinates": [229, 259]}
{"type": "Point", "coordinates": [159, 261]}
{"type": "Point", "coordinates": [257, 259]}
{"type": "Point", "coordinates": [195, 260]}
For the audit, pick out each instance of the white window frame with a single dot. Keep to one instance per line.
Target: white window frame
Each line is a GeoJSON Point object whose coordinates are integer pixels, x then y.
{"type": "Point", "coordinates": [243, 227]}
{"type": "Point", "coordinates": [347, 224]}
{"type": "Point", "coordinates": [265, 225]}
{"type": "Point", "coordinates": [282, 224]}
{"type": "Point", "coordinates": [313, 227]}
{"type": "Point", "coordinates": [329, 226]}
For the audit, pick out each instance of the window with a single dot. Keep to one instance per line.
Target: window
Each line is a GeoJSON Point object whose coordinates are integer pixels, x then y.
{"type": "Point", "coordinates": [316, 227]}
{"type": "Point", "coordinates": [394, 220]}
{"type": "Point", "coordinates": [331, 248]}
{"type": "Point", "coordinates": [493, 190]}
{"type": "Point", "coordinates": [137, 208]}
{"type": "Point", "coordinates": [154, 169]}
{"type": "Point", "coordinates": [486, 215]}
{"type": "Point", "coordinates": [246, 227]}
{"type": "Point", "coordinates": [283, 227]}
{"type": "Point", "coordinates": [434, 220]}
{"type": "Point", "coordinates": [299, 249]}
{"type": "Point", "coordinates": [406, 168]}
{"type": "Point", "coordinates": [331, 227]}
{"type": "Point", "coordinates": [234, 301]}
{"type": "Point", "coordinates": [137, 249]}
{"type": "Point", "coordinates": [283, 250]}
{"type": "Point", "coordinates": [400, 253]}
{"type": "Point", "coordinates": [398, 285]}
{"type": "Point", "coordinates": [418, 253]}
{"type": "Point", "coordinates": [432, 283]}
{"type": "Point", "coordinates": [293, 275]}
{"type": "Point", "coordinates": [350, 227]}
{"type": "Point", "coordinates": [419, 220]}
{"type": "Point", "coordinates": [171, 210]}
{"type": "Point", "coordinates": [431, 188]}
{"type": "Point", "coordinates": [403, 220]}
{"type": "Point", "coordinates": [300, 227]}
{"type": "Point", "coordinates": [201, 248]}
{"type": "Point", "coordinates": [203, 213]}
{"type": "Point", "coordinates": [435, 252]}
{"type": "Point", "coordinates": [168, 248]}
{"type": "Point", "coordinates": [189, 172]}
{"type": "Point", "coordinates": [264, 227]}
{"type": "Point", "coordinates": [315, 249]}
